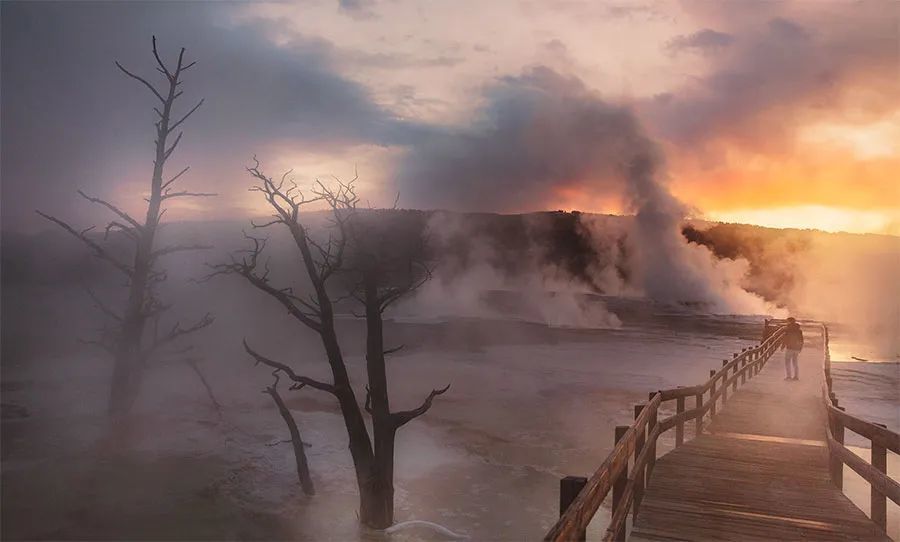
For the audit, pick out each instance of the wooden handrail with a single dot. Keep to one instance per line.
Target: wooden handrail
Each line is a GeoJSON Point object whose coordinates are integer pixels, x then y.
{"type": "Point", "coordinates": [579, 514]}
{"type": "Point", "coordinates": [882, 439]}
{"type": "Point", "coordinates": [880, 481]}
{"type": "Point", "coordinates": [767, 347]}
{"type": "Point", "coordinates": [877, 434]}
{"type": "Point", "coordinates": [617, 521]}
{"type": "Point", "coordinates": [574, 520]}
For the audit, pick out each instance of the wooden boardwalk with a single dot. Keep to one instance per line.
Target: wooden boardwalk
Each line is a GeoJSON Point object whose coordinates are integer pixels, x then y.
{"type": "Point", "coordinates": [759, 472]}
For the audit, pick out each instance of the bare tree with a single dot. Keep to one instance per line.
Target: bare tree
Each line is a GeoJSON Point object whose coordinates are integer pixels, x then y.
{"type": "Point", "coordinates": [373, 456]}
{"type": "Point", "coordinates": [299, 453]}
{"type": "Point", "coordinates": [134, 334]}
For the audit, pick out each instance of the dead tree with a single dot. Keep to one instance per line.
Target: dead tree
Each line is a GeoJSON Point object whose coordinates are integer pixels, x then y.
{"type": "Point", "coordinates": [299, 453]}
{"type": "Point", "coordinates": [133, 334]}
{"type": "Point", "coordinates": [323, 260]}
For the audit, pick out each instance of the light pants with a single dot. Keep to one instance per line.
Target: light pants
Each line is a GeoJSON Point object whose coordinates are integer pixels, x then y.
{"type": "Point", "coordinates": [790, 359]}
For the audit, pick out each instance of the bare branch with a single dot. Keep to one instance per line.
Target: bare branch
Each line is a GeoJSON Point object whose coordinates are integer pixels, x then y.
{"type": "Point", "coordinates": [99, 251]}
{"type": "Point", "coordinates": [414, 282]}
{"type": "Point", "coordinates": [404, 417]}
{"type": "Point", "coordinates": [127, 230]}
{"type": "Point", "coordinates": [246, 268]}
{"type": "Point", "coordinates": [100, 343]}
{"type": "Point", "coordinates": [187, 194]}
{"type": "Point", "coordinates": [185, 117]}
{"type": "Point", "coordinates": [177, 248]}
{"type": "Point", "coordinates": [266, 224]}
{"type": "Point", "coordinates": [177, 332]}
{"type": "Point", "coordinates": [122, 214]}
{"type": "Point", "coordinates": [162, 67]}
{"type": "Point", "coordinates": [178, 67]}
{"type": "Point", "coordinates": [394, 350]}
{"type": "Point", "coordinates": [142, 80]}
{"type": "Point", "coordinates": [299, 455]}
{"type": "Point", "coordinates": [175, 178]}
{"type": "Point", "coordinates": [299, 379]}
{"type": "Point", "coordinates": [171, 149]}
{"type": "Point", "coordinates": [102, 306]}
{"type": "Point", "coordinates": [192, 363]}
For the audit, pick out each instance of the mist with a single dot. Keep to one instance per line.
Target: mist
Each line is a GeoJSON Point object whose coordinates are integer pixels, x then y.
{"type": "Point", "coordinates": [543, 133]}
{"type": "Point", "coordinates": [280, 363]}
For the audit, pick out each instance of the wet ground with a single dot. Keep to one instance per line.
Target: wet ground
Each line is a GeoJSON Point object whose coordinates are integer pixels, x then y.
{"type": "Point", "coordinates": [528, 404]}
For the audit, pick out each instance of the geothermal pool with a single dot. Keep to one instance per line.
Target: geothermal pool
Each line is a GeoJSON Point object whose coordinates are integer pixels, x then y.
{"type": "Point", "coordinates": [528, 403]}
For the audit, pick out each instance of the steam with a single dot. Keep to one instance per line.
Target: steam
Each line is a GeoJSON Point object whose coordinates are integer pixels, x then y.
{"type": "Point", "coordinates": [474, 284]}
{"type": "Point", "coordinates": [669, 269]}
{"type": "Point", "coordinates": [542, 133]}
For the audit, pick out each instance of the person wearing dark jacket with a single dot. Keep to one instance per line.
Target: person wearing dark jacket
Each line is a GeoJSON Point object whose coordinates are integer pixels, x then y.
{"type": "Point", "coordinates": [792, 342]}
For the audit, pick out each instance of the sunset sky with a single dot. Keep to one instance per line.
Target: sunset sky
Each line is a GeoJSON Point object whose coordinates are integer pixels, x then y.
{"type": "Point", "coordinates": [782, 114]}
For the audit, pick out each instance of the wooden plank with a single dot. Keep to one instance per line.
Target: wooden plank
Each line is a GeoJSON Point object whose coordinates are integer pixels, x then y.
{"type": "Point", "coordinates": [763, 471]}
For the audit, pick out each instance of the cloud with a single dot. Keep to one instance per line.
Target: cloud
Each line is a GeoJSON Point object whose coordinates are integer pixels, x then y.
{"type": "Point", "coordinates": [71, 120]}
{"type": "Point", "coordinates": [358, 9]}
{"type": "Point", "coordinates": [538, 132]}
{"type": "Point", "coordinates": [702, 41]}
{"type": "Point", "coordinates": [778, 69]}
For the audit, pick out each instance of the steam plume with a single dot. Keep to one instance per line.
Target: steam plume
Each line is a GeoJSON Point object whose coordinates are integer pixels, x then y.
{"type": "Point", "coordinates": [541, 133]}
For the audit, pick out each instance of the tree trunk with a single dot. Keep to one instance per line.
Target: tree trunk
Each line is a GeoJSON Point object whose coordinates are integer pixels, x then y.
{"type": "Point", "coordinates": [376, 499]}
{"type": "Point", "coordinates": [377, 490]}
{"type": "Point", "coordinates": [128, 370]}
{"type": "Point", "coordinates": [299, 453]}
{"type": "Point", "coordinates": [127, 362]}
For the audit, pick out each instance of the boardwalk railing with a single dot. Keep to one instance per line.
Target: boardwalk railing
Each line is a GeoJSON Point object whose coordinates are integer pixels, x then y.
{"type": "Point", "coordinates": [636, 445]}
{"type": "Point", "coordinates": [882, 439]}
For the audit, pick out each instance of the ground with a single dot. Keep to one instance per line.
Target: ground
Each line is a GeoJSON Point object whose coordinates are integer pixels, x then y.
{"type": "Point", "coordinates": [528, 404]}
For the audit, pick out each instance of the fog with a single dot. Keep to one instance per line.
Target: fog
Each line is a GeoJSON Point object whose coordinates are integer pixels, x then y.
{"type": "Point", "coordinates": [544, 325]}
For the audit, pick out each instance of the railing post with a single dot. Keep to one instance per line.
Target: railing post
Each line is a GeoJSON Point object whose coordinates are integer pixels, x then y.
{"type": "Point", "coordinates": [619, 484]}
{"type": "Point", "coordinates": [743, 365]}
{"type": "Point", "coordinates": [638, 472]}
{"type": "Point", "coordinates": [698, 421]}
{"type": "Point", "coordinates": [879, 502]}
{"type": "Point", "coordinates": [734, 384]}
{"type": "Point", "coordinates": [654, 419]}
{"type": "Point", "coordinates": [712, 395]}
{"type": "Point", "coordinates": [569, 488]}
{"type": "Point", "coordinates": [836, 465]}
{"type": "Point", "coordinates": [724, 383]}
{"type": "Point", "coordinates": [679, 429]}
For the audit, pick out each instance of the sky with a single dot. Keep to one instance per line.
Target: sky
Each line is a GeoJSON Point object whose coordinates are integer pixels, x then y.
{"type": "Point", "coordinates": [782, 114]}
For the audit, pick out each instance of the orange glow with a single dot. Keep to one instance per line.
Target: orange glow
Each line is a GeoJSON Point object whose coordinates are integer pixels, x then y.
{"type": "Point", "coordinates": [832, 219]}
{"type": "Point", "coordinates": [835, 177]}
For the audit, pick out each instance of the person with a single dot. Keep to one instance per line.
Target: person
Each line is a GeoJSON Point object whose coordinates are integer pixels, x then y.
{"type": "Point", "coordinates": [792, 344]}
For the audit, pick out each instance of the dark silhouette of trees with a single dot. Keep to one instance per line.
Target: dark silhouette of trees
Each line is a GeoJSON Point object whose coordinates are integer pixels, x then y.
{"type": "Point", "coordinates": [134, 334]}
{"type": "Point", "coordinates": [372, 271]}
